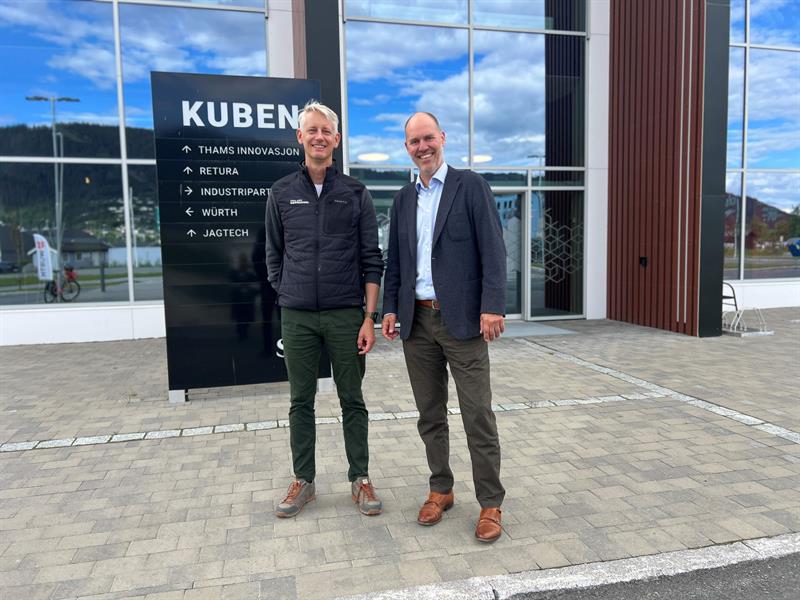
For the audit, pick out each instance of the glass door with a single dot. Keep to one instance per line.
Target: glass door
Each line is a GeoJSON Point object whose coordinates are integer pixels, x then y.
{"type": "Point", "coordinates": [556, 254]}
{"type": "Point", "coordinates": [510, 206]}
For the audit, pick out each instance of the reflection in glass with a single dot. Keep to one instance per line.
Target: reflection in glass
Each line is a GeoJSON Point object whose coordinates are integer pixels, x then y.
{"type": "Point", "coordinates": [505, 178]}
{"type": "Point", "coordinates": [562, 15]}
{"type": "Point", "coordinates": [424, 68]}
{"type": "Point", "coordinates": [54, 53]}
{"type": "Point", "coordinates": [92, 231]}
{"type": "Point", "coordinates": [146, 251]}
{"type": "Point", "coordinates": [370, 177]}
{"type": "Point", "coordinates": [775, 22]}
{"type": "Point", "coordinates": [509, 207]}
{"type": "Point", "coordinates": [249, 3]}
{"type": "Point", "coordinates": [557, 179]}
{"type": "Point", "coordinates": [733, 225]}
{"type": "Point", "coordinates": [382, 199]}
{"type": "Point", "coordinates": [183, 40]}
{"type": "Point", "coordinates": [735, 107]}
{"type": "Point", "coordinates": [528, 99]}
{"type": "Point", "coordinates": [773, 136]}
{"type": "Point", "coordinates": [556, 260]}
{"type": "Point", "coordinates": [438, 11]}
{"type": "Point", "coordinates": [737, 21]}
{"type": "Point", "coordinates": [772, 226]}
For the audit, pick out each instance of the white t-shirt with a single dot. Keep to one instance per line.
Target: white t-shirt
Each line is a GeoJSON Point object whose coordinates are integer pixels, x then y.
{"type": "Point", "coordinates": [319, 189]}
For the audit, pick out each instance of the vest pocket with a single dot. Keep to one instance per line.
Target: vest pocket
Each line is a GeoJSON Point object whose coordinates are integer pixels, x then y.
{"type": "Point", "coordinates": [338, 216]}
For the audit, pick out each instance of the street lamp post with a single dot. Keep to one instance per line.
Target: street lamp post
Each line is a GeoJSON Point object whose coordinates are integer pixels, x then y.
{"type": "Point", "coordinates": [57, 168]}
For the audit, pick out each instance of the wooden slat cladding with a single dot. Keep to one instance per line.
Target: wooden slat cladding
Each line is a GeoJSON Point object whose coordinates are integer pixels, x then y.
{"type": "Point", "coordinates": [655, 152]}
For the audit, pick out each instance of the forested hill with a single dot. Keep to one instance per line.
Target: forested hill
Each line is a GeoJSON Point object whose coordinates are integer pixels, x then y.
{"type": "Point", "coordinates": [80, 140]}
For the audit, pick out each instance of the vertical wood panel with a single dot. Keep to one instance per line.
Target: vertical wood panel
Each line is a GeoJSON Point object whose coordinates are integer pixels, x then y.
{"type": "Point", "coordinates": [655, 162]}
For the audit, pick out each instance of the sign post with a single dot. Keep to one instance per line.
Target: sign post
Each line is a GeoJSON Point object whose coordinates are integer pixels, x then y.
{"type": "Point", "coordinates": [221, 142]}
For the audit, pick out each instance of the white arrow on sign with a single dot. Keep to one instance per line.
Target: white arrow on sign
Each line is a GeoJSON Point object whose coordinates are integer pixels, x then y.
{"type": "Point", "coordinates": [189, 211]}
{"type": "Point", "coordinates": [188, 190]}
{"type": "Point", "coordinates": [186, 149]}
{"type": "Point", "coordinates": [191, 233]}
{"type": "Point", "coordinates": [187, 170]}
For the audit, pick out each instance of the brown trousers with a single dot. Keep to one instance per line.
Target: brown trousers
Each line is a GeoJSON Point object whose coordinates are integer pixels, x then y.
{"type": "Point", "coordinates": [428, 352]}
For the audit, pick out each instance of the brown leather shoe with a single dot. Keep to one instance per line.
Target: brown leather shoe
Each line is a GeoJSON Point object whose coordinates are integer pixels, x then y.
{"type": "Point", "coordinates": [489, 528]}
{"type": "Point", "coordinates": [431, 512]}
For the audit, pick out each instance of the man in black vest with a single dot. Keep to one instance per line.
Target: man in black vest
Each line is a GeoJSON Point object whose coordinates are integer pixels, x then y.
{"type": "Point", "coordinates": [323, 260]}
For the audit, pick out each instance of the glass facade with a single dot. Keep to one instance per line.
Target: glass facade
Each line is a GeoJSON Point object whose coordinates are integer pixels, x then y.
{"type": "Point", "coordinates": [507, 80]}
{"type": "Point", "coordinates": [762, 209]}
{"type": "Point", "coordinates": [61, 166]}
{"type": "Point", "coordinates": [507, 85]}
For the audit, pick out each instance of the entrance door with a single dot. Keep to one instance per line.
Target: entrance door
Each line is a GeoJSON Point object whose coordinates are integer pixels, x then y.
{"type": "Point", "coordinates": [556, 254]}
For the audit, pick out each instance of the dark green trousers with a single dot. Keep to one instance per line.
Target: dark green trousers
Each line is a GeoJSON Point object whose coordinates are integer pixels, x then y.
{"type": "Point", "coordinates": [304, 333]}
{"type": "Point", "coordinates": [428, 352]}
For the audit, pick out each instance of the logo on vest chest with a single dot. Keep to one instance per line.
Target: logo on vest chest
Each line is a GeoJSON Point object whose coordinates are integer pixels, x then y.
{"type": "Point", "coordinates": [298, 201]}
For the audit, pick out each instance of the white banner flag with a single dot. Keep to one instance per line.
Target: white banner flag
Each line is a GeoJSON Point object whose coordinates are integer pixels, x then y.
{"type": "Point", "coordinates": [44, 262]}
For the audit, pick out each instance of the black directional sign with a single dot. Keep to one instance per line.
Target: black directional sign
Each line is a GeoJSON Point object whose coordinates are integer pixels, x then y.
{"type": "Point", "coordinates": [221, 142]}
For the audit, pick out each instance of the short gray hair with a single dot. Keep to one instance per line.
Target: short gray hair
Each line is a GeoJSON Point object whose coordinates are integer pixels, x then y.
{"type": "Point", "coordinates": [318, 107]}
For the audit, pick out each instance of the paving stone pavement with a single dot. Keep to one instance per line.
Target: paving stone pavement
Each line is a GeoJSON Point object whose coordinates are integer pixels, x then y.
{"type": "Point", "coordinates": [191, 517]}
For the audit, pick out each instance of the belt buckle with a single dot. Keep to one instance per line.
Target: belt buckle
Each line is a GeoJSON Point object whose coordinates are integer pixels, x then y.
{"type": "Point", "coordinates": [435, 304]}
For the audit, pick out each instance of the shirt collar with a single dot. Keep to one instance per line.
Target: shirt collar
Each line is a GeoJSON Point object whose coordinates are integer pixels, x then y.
{"type": "Point", "coordinates": [439, 176]}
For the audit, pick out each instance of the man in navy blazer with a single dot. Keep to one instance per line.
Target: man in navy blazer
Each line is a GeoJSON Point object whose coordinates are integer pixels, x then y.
{"type": "Point", "coordinates": [445, 283]}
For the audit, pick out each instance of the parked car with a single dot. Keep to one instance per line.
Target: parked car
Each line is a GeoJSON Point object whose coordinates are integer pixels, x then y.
{"type": "Point", "coordinates": [8, 267]}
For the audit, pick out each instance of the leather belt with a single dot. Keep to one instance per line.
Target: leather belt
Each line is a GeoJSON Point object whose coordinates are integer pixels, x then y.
{"type": "Point", "coordinates": [434, 304]}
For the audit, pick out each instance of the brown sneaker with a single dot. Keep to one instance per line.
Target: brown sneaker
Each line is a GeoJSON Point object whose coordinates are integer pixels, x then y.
{"type": "Point", "coordinates": [489, 527]}
{"type": "Point", "coordinates": [300, 492]}
{"type": "Point", "coordinates": [363, 494]}
{"type": "Point", "coordinates": [431, 511]}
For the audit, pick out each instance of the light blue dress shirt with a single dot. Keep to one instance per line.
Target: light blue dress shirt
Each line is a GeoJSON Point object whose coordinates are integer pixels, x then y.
{"type": "Point", "coordinates": [427, 206]}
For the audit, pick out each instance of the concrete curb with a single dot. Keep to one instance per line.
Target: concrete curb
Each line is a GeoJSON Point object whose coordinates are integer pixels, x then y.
{"type": "Point", "coordinates": [590, 575]}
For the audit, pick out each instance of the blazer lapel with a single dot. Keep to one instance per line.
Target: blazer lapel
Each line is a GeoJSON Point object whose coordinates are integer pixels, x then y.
{"type": "Point", "coordinates": [451, 183]}
{"type": "Point", "coordinates": [409, 217]}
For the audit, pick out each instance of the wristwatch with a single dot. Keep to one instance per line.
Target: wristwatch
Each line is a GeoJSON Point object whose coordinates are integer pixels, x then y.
{"type": "Point", "coordinates": [375, 316]}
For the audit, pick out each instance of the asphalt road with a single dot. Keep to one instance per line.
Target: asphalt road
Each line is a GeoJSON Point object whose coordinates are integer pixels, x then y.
{"type": "Point", "coordinates": [774, 579]}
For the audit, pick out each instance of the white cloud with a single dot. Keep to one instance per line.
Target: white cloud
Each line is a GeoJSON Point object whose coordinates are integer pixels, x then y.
{"type": "Point", "coordinates": [508, 93]}
{"type": "Point", "coordinates": [371, 57]}
{"type": "Point", "coordinates": [93, 62]}
{"type": "Point", "coordinates": [774, 107]}
{"type": "Point", "coordinates": [781, 190]}
{"type": "Point", "coordinates": [450, 11]}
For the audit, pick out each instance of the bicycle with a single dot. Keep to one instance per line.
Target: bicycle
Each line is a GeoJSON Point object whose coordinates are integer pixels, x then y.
{"type": "Point", "coordinates": [65, 288]}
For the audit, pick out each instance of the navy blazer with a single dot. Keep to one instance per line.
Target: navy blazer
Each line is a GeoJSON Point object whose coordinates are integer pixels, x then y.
{"type": "Point", "coordinates": [468, 256]}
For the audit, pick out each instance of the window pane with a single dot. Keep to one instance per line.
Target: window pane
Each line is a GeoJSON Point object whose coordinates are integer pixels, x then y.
{"type": "Point", "coordinates": [157, 38]}
{"type": "Point", "coordinates": [92, 230]}
{"type": "Point", "coordinates": [371, 177]}
{"type": "Point", "coordinates": [773, 136]}
{"type": "Point", "coordinates": [772, 230]}
{"type": "Point", "coordinates": [52, 55]}
{"type": "Point", "coordinates": [775, 22]}
{"type": "Point", "coordinates": [382, 199]}
{"type": "Point", "coordinates": [438, 11]}
{"type": "Point", "coordinates": [737, 21]}
{"type": "Point", "coordinates": [564, 15]}
{"type": "Point", "coordinates": [505, 178]}
{"type": "Point", "coordinates": [735, 107]}
{"type": "Point", "coordinates": [733, 225]}
{"type": "Point", "coordinates": [250, 3]}
{"type": "Point", "coordinates": [528, 99]}
{"type": "Point", "coordinates": [556, 260]}
{"type": "Point", "coordinates": [388, 82]}
{"type": "Point", "coordinates": [509, 206]}
{"type": "Point", "coordinates": [147, 274]}
{"type": "Point", "coordinates": [557, 179]}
